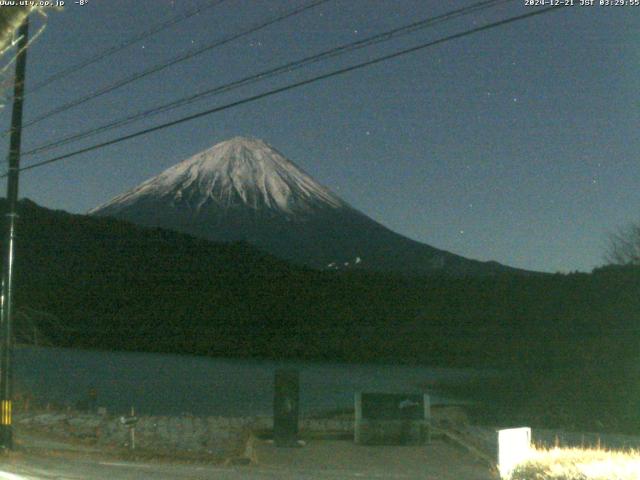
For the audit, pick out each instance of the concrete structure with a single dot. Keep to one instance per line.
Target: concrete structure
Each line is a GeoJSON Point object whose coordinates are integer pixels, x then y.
{"type": "Point", "coordinates": [392, 419]}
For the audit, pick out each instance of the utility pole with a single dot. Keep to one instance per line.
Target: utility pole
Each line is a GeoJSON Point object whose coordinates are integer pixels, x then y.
{"type": "Point", "coordinates": [6, 300]}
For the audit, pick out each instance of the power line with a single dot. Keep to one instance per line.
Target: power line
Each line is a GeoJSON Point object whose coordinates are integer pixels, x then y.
{"type": "Point", "coordinates": [292, 86]}
{"type": "Point", "coordinates": [286, 68]}
{"type": "Point", "coordinates": [121, 46]}
{"type": "Point", "coordinates": [180, 58]}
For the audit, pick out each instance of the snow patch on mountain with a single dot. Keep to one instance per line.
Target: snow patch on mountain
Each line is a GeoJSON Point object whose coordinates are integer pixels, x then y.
{"type": "Point", "coordinates": [336, 266]}
{"type": "Point", "coordinates": [238, 172]}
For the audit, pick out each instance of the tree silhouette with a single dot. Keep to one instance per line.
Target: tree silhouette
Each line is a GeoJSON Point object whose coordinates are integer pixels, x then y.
{"type": "Point", "coordinates": [624, 246]}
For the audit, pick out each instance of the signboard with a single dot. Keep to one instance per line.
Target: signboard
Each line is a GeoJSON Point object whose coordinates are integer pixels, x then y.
{"type": "Point", "coordinates": [392, 418]}
{"type": "Point", "coordinates": [391, 406]}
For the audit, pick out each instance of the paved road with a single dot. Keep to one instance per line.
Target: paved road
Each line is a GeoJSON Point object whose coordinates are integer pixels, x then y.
{"type": "Point", "coordinates": [344, 459]}
{"type": "Point", "coordinates": [319, 460]}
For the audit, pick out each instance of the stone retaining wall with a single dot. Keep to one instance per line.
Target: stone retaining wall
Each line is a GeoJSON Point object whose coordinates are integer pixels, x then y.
{"type": "Point", "coordinates": [220, 437]}
{"type": "Point", "coordinates": [203, 435]}
{"type": "Point", "coordinates": [210, 435]}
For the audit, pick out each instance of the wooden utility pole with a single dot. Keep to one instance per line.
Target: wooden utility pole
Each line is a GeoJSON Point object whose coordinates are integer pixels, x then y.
{"type": "Point", "coordinates": [6, 300]}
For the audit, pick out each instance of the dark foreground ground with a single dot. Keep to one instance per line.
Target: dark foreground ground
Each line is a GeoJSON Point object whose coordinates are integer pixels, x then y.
{"type": "Point", "coordinates": [318, 459]}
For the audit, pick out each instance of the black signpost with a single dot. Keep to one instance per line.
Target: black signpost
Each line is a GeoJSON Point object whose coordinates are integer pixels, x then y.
{"type": "Point", "coordinates": [286, 408]}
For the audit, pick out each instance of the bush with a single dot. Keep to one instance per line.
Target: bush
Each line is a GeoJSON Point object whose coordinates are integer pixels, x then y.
{"type": "Point", "coordinates": [579, 464]}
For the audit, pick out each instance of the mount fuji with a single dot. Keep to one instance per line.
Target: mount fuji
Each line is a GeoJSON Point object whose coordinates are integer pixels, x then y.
{"type": "Point", "coordinates": [244, 190]}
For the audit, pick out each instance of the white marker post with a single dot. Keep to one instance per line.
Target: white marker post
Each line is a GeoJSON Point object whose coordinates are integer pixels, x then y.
{"type": "Point", "coordinates": [514, 447]}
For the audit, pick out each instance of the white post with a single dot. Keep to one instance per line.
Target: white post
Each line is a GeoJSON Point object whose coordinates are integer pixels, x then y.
{"type": "Point", "coordinates": [132, 431]}
{"type": "Point", "coordinates": [514, 447]}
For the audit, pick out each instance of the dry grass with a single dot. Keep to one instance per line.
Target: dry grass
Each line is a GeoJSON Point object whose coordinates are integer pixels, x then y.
{"type": "Point", "coordinates": [579, 464]}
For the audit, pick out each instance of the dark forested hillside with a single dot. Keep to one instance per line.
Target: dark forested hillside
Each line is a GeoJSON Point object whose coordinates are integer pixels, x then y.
{"type": "Point", "coordinates": [113, 285]}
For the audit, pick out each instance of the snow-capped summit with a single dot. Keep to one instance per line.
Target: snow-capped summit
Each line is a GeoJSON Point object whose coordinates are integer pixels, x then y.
{"type": "Point", "coordinates": [245, 190]}
{"type": "Point", "coordinates": [240, 172]}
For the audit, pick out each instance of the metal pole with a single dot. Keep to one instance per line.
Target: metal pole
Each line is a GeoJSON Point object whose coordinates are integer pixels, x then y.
{"type": "Point", "coordinates": [132, 431]}
{"type": "Point", "coordinates": [6, 300]}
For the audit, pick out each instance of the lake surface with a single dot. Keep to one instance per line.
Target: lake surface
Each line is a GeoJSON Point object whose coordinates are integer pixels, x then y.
{"type": "Point", "coordinates": [160, 384]}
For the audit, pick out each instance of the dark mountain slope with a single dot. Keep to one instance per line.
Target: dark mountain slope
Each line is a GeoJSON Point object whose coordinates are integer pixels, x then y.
{"type": "Point", "coordinates": [244, 190]}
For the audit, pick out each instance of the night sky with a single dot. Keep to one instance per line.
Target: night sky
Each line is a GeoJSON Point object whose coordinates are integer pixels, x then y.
{"type": "Point", "coordinates": [518, 144]}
